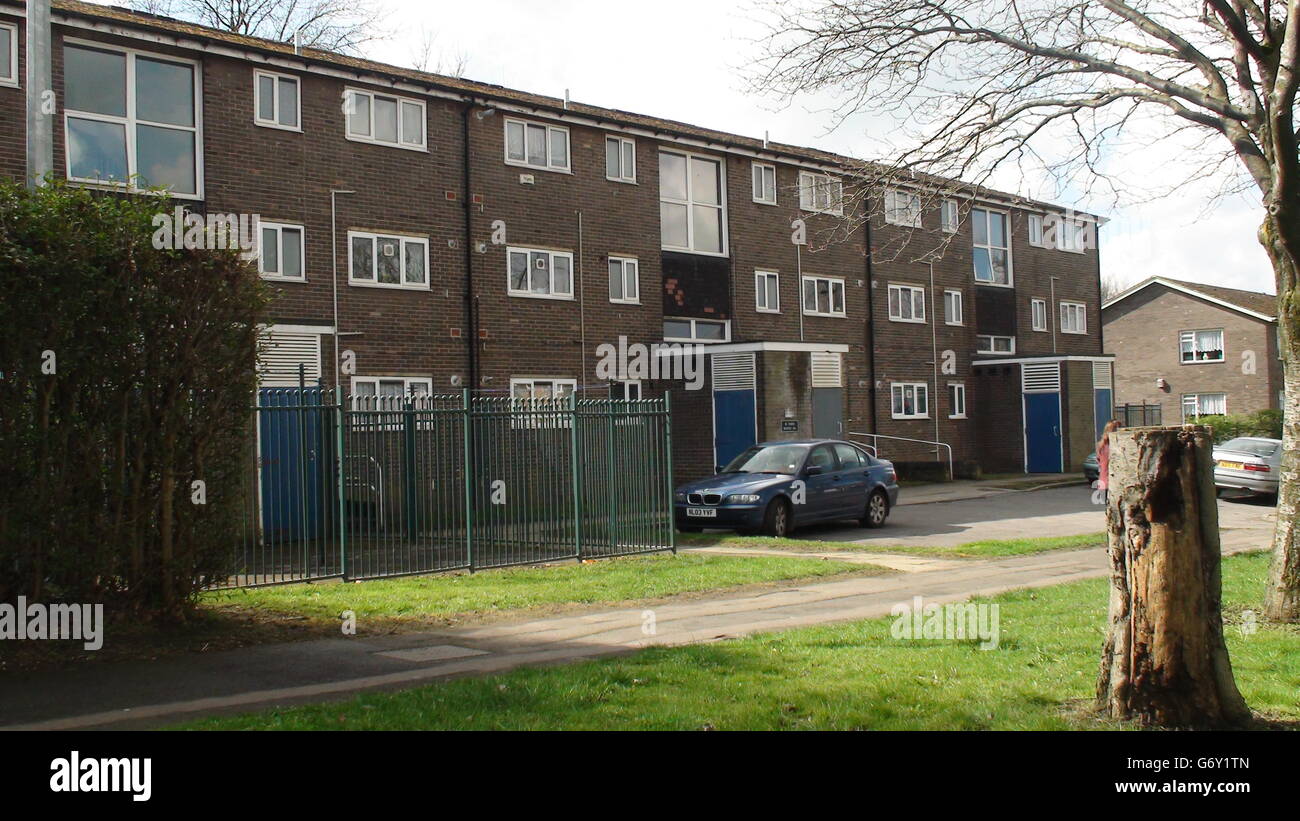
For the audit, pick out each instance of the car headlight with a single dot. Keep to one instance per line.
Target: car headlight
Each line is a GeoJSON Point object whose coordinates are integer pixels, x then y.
{"type": "Point", "coordinates": [743, 498]}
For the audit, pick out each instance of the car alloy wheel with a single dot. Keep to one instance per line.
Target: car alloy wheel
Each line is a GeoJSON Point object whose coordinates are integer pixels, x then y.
{"type": "Point", "coordinates": [778, 519]}
{"type": "Point", "coordinates": [877, 509]}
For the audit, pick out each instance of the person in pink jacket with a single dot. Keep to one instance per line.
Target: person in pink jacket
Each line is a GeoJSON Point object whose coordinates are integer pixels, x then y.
{"type": "Point", "coordinates": [1103, 454]}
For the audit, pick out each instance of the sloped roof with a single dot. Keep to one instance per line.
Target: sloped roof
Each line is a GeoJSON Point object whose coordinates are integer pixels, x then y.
{"type": "Point", "coordinates": [1252, 303]}
{"type": "Point", "coordinates": [461, 86]}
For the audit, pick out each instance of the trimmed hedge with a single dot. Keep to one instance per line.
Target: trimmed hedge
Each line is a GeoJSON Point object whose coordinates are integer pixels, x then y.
{"type": "Point", "coordinates": [1265, 423]}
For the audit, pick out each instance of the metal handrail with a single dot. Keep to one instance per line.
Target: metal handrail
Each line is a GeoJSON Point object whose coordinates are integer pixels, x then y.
{"type": "Point", "coordinates": [876, 447]}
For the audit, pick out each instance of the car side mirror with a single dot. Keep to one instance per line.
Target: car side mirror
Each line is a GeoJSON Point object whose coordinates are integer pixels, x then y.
{"type": "Point", "coordinates": [812, 470]}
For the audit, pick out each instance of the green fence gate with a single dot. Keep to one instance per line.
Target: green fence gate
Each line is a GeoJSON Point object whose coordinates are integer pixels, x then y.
{"type": "Point", "coordinates": [377, 486]}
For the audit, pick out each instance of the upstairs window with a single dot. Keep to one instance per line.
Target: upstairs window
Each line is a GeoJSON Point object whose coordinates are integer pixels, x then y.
{"type": "Point", "coordinates": [909, 400]}
{"type": "Point", "coordinates": [823, 296]}
{"type": "Point", "coordinates": [276, 103]}
{"type": "Point", "coordinates": [8, 54]}
{"type": "Point", "coordinates": [620, 159]}
{"type": "Point", "coordinates": [691, 204]}
{"type": "Point", "coordinates": [384, 119]}
{"type": "Point", "coordinates": [906, 303]}
{"type": "Point", "coordinates": [992, 251]}
{"type": "Point", "coordinates": [985, 343]}
{"type": "Point", "coordinates": [1038, 314]}
{"type": "Point", "coordinates": [623, 284]}
{"type": "Point", "coordinates": [388, 261]}
{"type": "Point", "coordinates": [280, 251]}
{"type": "Point", "coordinates": [131, 120]}
{"type": "Point", "coordinates": [820, 193]}
{"type": "Point", "coordinates": [1200, 346]}
{"type": "Point", "coordinates": [956, 400]}
{"type": "Point", "coordinates": [1074, 318]}
{"type": "Point", "coordinates": [948, 216]}
{"type": "Point", "coordinates": [903, 208]}
{"type": "Point", "coordinates": [541, 273]}
{"type": "Point", "coordinates": [1196, 405]}
{"type": "Point", "coordinates": [767, 293]}
{"type": "Point", "coordinates": [953, 313]}
{"type": "Point", "coordinates": [533, 145]}
{"type": "Point", "coordinates": [696, 330]}
{"type": "Point", "coordinates": [764, 183]}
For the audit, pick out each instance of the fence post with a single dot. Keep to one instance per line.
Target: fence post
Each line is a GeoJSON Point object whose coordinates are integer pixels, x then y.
{"type": "Point", "coordinates": [468, 470]}
{"type": "Point", "coordinates": [668, 448]}
{"type": "Point", "coordinates": [342, 491]}
{"type": "Point", "coordinates": [408, 464]}
{"type": "Point", "coordinates": [575, 469]}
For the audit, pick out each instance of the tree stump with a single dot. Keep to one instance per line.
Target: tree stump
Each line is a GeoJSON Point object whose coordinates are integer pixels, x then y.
{"type": "Point", "coordinates": [1164, 662]}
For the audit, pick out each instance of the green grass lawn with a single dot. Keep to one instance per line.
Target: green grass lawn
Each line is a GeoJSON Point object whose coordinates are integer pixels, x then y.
{"type": "Point", "coordinates": [855, 676]}
{"type": "Point", "coordinates": [971, 550]}
{"type": "Point", "coordinates": [448, 597]}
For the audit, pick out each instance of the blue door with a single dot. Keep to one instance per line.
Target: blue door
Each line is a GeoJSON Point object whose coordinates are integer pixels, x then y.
{"type": "Point", "coordinates": [1043, 432]}
{"type": "Point", "coordinates": [733, 424]}
{"type": "Point", "coordinates": [1102, 411]}
{"type": "Point", "coordinates": [291, 442]}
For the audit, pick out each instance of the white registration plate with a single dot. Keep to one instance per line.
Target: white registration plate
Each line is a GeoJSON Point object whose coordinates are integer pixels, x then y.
{"type": "Point", "coordinates": [706, 512]}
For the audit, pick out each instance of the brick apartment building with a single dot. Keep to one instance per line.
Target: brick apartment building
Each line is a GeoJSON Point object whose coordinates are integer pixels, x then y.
{"type": "Point", "coordinates": [483, 237]}
{"type": "Point", "coordinates": [1194, 349]}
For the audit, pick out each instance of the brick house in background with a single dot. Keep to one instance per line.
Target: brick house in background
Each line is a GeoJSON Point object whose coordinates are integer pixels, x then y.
{"type": "Point", "coordinates": [1194, 349]}
{"type": "Point", "coordinates": [477, 236]}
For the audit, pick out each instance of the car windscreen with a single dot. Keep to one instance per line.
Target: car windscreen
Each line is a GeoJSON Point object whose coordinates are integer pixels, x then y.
{"type": "Point", "coordinates": [1254, 447]}
{"type": "Point", "coordinates": [770, 459]}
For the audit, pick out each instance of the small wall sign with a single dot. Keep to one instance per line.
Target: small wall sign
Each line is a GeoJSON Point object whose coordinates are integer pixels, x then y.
{"type": "Point", "coordinates": [789, 425]}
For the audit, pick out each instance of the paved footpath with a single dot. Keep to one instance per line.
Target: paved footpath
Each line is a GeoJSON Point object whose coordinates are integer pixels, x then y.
{"type": "Point", "coordinates": [146, 694]}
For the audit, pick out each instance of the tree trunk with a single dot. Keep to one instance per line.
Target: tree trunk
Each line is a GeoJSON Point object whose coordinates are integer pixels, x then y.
{"type": "Point", "coordinates": [1164, 662]}
{"type": "Point", "coordinates": [1282, 597]}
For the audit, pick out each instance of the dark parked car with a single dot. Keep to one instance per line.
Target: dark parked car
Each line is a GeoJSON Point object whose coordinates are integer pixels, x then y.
{"type": "Point", "coordinates": [776, 486]}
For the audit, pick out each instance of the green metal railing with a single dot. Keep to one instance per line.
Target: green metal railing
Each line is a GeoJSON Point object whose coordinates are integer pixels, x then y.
{"type": "Point", "coordinates": [369, 487]}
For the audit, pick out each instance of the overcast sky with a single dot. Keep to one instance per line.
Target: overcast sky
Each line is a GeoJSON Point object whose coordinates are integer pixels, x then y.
{"type": "Point", "coordinates": [684, 60]}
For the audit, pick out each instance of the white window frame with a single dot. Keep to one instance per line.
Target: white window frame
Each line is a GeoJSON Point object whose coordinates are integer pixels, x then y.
{"type": "Point", "coordinates": [350, 109]}
{"type": "Point", "coordinates": [1034, 228]}
{"type": "Point", "coordinates": [911, 292]}
{"type": "Point", "coordinates": [623, 144]}
{"type": "Point", "coordinates": [1006, 225]}
{"type": "Point", "coordinates": [980, 338]}
{"type": "Point", "coordinates": [1038, 314]}
{"type": "Point", "coordinates": [1070, 312]}
{"type": "Point", "coordinates": [522, 418]}
{"type": "Point", "coordinates": [834, 281]}
{"type": "Point", "coordinates": [949, 216]}
{"type": "Point", "coordinates": [374, 282]}
{"type": "Point", "coordinates": [553, 254]}
{"type": "Point", "coordinates": [274, 122]}
{"type": "Point", "coordinates": [725, 323]}
{"type": "Point", "coordinates": [130, 121]}
{"type": "Point", "coordinates": [760, 291]}
{"type": "Point", "coordinates": [628, 387]}
{"type": "Point", "coordinates": [956, 400]}
{"type": "Point", "coordinates": [1196, 400]}
{"type": "Point", "coordinates": [279, 227]}
{"type": "Point", "coordinates": [903, 208]}
{"type": "Point", "coordinates": [899, 390]}
{"type": "Point", "coordinates": [549, 129]}
{"type": "Point", "coordinates": [407, 382]}
{"type": "Point", "coordinates": [1223, 346]}
{"type": "Point", "coordinates": [690, 204]}
{"type": "Point", "coordinates": [11, 77]}
{"type": "Point", "coordinates": [624, 262]}
{"type": "Point", "coordinates": [959, 302]}
{"type": "Point", "coordinates": [758, 178]}
{"type": "Point", "coordinates": [808, 184]}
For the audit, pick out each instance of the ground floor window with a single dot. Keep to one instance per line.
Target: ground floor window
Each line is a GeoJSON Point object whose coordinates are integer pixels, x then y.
{"type": "Point", "coordinates": [911, 400]}
{"type": "Point", "coordinates": [1196, 405]}
{"type": "Point", "coordinates": [384, 391]}
{"type": "Point", "coordinates": [956, 400]}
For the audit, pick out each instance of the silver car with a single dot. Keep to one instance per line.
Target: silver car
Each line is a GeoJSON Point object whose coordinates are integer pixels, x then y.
{"type": "Point", "coordinates": [1248, 463]}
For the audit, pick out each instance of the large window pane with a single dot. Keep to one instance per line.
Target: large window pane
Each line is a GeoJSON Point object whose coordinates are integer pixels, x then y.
{"type": "Point", "coordinates": [672, 178]}
{"type": "Point", "coordinates": [288, 103]}
{"type": "Point", "coordinates": [386, 119]}
{"type": "Point", "coordinates": [412, 124]}
{"type": "Point", "coordinates": [676, 329]}
{"type": "Point", "coordinates": [708, 229]}
{"type": "Point", "coordinates": [615, 279]}
{"type": "Point", "coordinates": [359, 120]}
{"type": "Point", "coordinates": [997, 230]}
{"type": "Point", "coordinates": [983, 267]}
{"type": "Point", "coordinates": [165, 157]}
{"type": "Point", "coordinates": [704, 182]}
{"type": "Point", "coordinates": [95, 81]}
{"type": "Point", "coordinates": [363, 258]}
{"type": "Point", "coordinates": [612, 158]}
{"type": "Point", "coordinates": [270, 251]}
{"type": "Point", "coordinates": [559, 148]}
{"type": "Point", "coordinates": [518, 271]}
{"type": "Point", "coordinates": [563, 277]}
{"type": "Point", "coordinates": [536, 145]}
{"type": "Point", "coordinates": [980, 226]}
{"type": "Point", "coordinates": [709, 330]}
{"type": "Point", "coordinates": [164, 92]}
{"type": "Point", "coordinates": [265, 97]}
{"type": "Point", "coordinates": [389, 260]}
{"type": "Point", "coordinates": [414, 263]}
{"type": "Point", "coordinates": [515, 141]}
{"type": "Point", "coordinates": [673, 219]}
{"type": "Point", "coordinates": [540, 272]}
{"type": "Point", "coordinates": [6, 53]}
{"type": "Point", "coordinates": [96, 150]}
{"type": "Point", "coordinates": [291, 238]}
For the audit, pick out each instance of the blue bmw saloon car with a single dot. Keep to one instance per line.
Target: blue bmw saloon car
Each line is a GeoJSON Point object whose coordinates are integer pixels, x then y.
{"type": "Point", "coordinates": [775, 486]}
